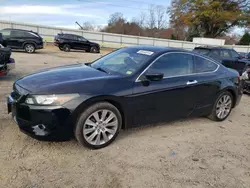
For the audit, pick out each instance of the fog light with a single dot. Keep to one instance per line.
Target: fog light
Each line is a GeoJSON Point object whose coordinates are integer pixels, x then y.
{"type": "Point", "coordinates": [39, 130]}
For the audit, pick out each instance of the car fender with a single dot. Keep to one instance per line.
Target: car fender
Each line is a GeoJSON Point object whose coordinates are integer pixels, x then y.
{"type": "Point", "coordinates": [86, 101]}
{"type": "Point", "coordinates": [29, 42]}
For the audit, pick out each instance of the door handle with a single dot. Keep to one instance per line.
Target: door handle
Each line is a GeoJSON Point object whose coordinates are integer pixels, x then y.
{"type": "Point", "coordinates": [191, 82]}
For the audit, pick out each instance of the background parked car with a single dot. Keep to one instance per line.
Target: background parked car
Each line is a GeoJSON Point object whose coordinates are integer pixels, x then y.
{"type": "Point", "coordinates": [243, 55]}
{"type": "Point", "coordinates": [22, 39]}
{"type": "Point", "coordinates": [129, 87]}
{"type": "Point", "coordinates": [66, 42]}
{"type": "Point", "coordinates": [6, 63]}
{"type": "Point", "coordinates": [228, 57]}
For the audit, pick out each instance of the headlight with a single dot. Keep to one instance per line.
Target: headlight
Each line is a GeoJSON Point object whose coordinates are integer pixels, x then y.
{"type": "Point", "coordinates": [50, 99]}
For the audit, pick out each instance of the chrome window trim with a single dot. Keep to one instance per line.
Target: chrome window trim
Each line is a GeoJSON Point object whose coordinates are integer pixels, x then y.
{"type": "Point", "coordinates": [218, 65]}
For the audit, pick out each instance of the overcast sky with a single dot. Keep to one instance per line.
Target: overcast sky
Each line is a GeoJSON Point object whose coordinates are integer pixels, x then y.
{"type": "Point", "coordinates": [64, 13]}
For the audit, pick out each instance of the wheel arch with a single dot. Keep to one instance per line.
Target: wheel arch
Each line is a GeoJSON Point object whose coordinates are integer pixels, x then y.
{"type": "Point", "coordinates": [29, 42]}
{"type": "Point", "coordinates": [232, 92]}
{"type": "Point", "coordinates": [105, 98]}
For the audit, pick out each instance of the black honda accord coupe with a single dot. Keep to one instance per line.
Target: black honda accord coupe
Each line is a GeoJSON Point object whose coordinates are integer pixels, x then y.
{"type": "Point", "coordinates": [128, 87]}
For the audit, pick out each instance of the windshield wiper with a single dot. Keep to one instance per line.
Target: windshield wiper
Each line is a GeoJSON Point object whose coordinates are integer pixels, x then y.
{"type": "Point", "coordinates": [101, 69]}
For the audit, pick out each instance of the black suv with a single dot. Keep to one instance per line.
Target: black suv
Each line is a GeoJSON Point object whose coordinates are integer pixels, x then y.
{"type": "Point", "coordinates": [65, 42]}
{"type": "Point", "coordinates": [22, 39]}
{"type": "Point", "coordinates": [228, 57]}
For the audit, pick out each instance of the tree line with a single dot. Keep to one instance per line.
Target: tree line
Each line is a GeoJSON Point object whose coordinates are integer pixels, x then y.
{"type": "Point", "coordinates": [186, 19]}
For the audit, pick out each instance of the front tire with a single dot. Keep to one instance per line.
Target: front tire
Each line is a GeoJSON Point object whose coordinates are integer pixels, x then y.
{"type": "Point", "coordinates": [66, 48]}
{"type": "Point", "coordinates": [61, 48]}
{"type": "Point", "coordinates": [222, 107]}
{"type": "Point", "coordinates": [98, 125]}
{"type": "Point", "coordinates": [29, 48]}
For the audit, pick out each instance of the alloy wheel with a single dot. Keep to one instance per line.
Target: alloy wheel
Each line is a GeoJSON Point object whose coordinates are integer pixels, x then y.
{"type": "Point", "coordinates": [29, 48]}
{"type": "Point", "coordinates": [100, 127]}
{"type": "Point", "coordinates": [223, 106]}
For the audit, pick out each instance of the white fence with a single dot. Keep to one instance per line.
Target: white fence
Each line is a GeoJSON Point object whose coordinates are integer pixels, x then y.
{"type": "Point", "coordinates": [108, 39]}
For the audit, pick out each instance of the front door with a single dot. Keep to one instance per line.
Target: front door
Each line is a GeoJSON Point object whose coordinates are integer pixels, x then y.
{"type": "Point", "coordinates": [17, 39]}
{"type": "Point", "coordinates": [170, 98]}
{"type": "Point", "coordinates": [83, 43]}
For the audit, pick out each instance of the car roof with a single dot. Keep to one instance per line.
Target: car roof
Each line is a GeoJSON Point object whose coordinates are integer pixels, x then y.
{"type": "Point", "coordinates": [213, 48]}
{"type": "Point", "coordinates": [68, 34]}
{"type": "Point", "coordinates": [158, 49]}
{"type": "Point", "coordinates": [18, 30]}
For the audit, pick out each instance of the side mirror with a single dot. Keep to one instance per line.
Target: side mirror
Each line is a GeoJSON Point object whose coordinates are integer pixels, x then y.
{"type": "Point", "coordinates": [154, 76]}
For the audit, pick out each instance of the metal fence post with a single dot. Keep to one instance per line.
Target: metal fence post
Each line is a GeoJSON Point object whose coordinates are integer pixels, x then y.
{"type": "Point", "coordinates": [102, 39]}
{"type": "Point", "coordinates": [121, 41]}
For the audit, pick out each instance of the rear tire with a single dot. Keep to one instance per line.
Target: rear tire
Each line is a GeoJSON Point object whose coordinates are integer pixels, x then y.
{"type": "Point", "coordinates": [98, 126]}
{"type": "Point", "coordinates": [66, 48]}
{"type": "Point", "coordinates": [222, 107]}
{"type": "Point", "coordinates": [29, 48]}
{"type": "Point", "coordinates": [94, 49]}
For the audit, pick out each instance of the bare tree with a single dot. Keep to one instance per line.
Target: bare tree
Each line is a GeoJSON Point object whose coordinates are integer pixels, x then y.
{"type": "Point", "coordinates": [161, 13]}
{"type": "Point", "coordinates": [141, 20]}
{"type": "Point", "coordinates": [151, 20]}
{"type": "Point", "coordinates": [115, 18]}
{"type": "Point", "coordinates": [88, 26]}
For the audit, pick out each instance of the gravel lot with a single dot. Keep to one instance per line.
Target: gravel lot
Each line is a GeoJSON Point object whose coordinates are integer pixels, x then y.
{"type": "Point", "coordinates": [187, 153]}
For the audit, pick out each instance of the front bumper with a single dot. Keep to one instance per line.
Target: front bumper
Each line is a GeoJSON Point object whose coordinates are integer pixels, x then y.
{"type": "Point", "coordinates": [39, 46]}
{"type": "Point", "coordinates": [48, 123]}
{"type": "Point", "coordinates": [4, 69]}
{"type": "Point", "coordinates": [246, 86]}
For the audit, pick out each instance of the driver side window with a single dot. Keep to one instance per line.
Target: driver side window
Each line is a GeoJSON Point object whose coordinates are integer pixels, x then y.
{"type": "Point", "coordinates": [81, 39]}
{"type": "Point", "coordinates": [173, 64]}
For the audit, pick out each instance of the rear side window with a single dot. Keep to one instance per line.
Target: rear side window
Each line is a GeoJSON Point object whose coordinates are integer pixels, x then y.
{"type": "Point", "coordinates": [202, 65]}
{"type": "Point", "coordinates": [225, 53]}
{"type": "Point", "coordinates": [173, 64]}
{"type": "Point", "coordinates": [17, 33]}
{"type": "Point", "coordinates": [5, 33]}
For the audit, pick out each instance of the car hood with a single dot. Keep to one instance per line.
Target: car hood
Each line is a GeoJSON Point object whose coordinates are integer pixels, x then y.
{"type": "Point", "coordinates": [245, 61]}
{"type": "Point", "coordinates": [60, 76]}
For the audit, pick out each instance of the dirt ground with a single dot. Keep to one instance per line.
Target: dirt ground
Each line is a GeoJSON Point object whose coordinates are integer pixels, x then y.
{"type": "Point", "coordinates": [188, 153]}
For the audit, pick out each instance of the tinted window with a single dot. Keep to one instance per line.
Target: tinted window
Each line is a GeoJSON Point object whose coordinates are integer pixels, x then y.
{"type": "Point", "coordinates": [81, 39]}
{"type": "Point", "coordinates": [31, 35]}
{"type": "Point", "coordinates": [234, 54]}
{"type": "Point", "coordinates": [17, 33]}
{"type": "Point", "coordinates": [225, 53]}
{"type": "Point", "coordinates": [5, 33]}
{"type": "Point", "coordinates": [173, 64]}
{"type": "Point", "coordinates": [202, 51]}
{"type": "Point", "coordinates": [204, 65]}
{"type": "Point", "coordinates": [70, 37]}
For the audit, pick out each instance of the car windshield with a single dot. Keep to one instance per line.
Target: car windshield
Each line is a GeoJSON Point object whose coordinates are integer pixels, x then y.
{"type": "Point", "coordinates": [125, 61]}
